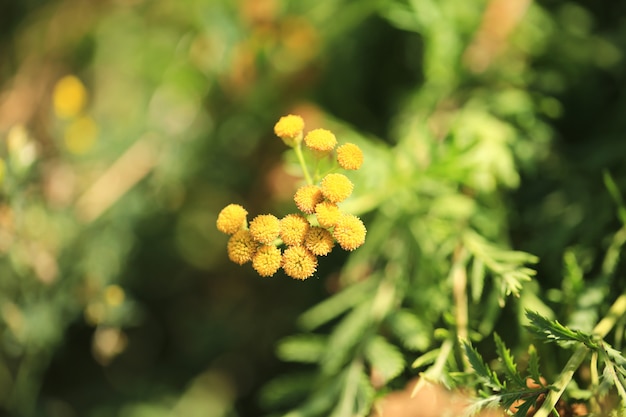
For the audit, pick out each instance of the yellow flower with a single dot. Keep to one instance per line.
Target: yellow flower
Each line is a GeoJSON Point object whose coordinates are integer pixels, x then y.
{"type": "Point", "coordinates": [241, 246]}
{"type": "Point", "coordinates": [265, 228]}
{"type": "Point", "coordinates": [327, 213]}
{"type": "Point", "coordinates": [80, 136]}
{"type": "Point", "coordinates": [266, 260]}
{"type": "Point", "coordinates": [289, 129]}
{"type": "Point", "coordinates": [298, 262]}
{"type": "Point", "coordinates": [349, 156]}
{"type": "Point", "coordinates": [293, 228]}
{"type": "Point", "coordinates": [349, 232]}
{"type": "Point", "coordinates": [231, 218]}
{"type": "Point", "coordinates": [319, 241]}
{"type": "Point", "coordinates": [307, 197]}
{"type": "Point", "coordinates": [320, 140]}
{"type": "Point", "coordinates": [336, 187]}
{"type": "Point", "coordinates": [69, 97]}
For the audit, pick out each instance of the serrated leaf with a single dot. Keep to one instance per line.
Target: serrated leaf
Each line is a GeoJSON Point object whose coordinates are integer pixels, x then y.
{"type": "Point", "coordinates": [384, 358]}
{"type": "Point", "coordinates": [412, 332]}
{"type": "Point", "coordinates": [426, 358]}
{"type": "Point", "coordinates": [510, 368]}
{"type": "Point", "coordinates": [305, 348]}
{"type": "Point", "coordinates": [286, 390]}
{"type": "Point", "coordinates": [486, 375]}
{"type": "Point", "coordinates": [533, 364]}
{"type": "Point", "coordinates": [553, 331]}
{"type": "Point", "coordinates": [365, 395]}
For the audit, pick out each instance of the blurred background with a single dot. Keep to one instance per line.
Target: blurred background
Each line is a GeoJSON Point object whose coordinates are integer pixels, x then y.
{"type": "Point", "coordinates": [126, 125]}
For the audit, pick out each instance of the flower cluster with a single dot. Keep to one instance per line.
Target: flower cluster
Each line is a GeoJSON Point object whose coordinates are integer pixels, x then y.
{"type": "Point", "coordinates": [295, 241]}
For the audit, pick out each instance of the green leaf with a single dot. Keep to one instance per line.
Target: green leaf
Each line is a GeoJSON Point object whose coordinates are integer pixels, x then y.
{"type": "Point", "coordinates": [486, 375]}
{"type": "Point", "coordinates": [412, 332]}
{"type": "Point", "coordinates": [533, 365]}
{"type": "Point", "coordinates": [510, 368]}
{"type": "Point", "coordinates": [286, 390]}
{"type": "Point", "coordinates": [384, 358]}
{"type": "Point", "coordinates": [305, 348]}
{"type": "Point", "coordinates": [553, 331]}
{"type": "Point", "coordinates": [426, 358]}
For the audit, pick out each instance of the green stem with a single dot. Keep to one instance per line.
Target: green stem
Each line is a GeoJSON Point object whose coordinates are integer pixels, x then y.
{"type": "Point", "coordinates": [305, 170]}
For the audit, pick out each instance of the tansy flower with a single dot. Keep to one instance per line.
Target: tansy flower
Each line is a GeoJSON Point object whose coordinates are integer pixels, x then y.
{"type": "Point", "coordinates": [336, 187]}
{"type": "Point", "coordinates": [241, 246]}
{"type": "Point", "coordinates": [320, 140]}
{"type": "Point", "coordinates": [298, 262]}
{"type": "Point", "coordinates": [349, 156]}
{"type": "Point", "coordinates": [327, 213]}
{"type": "Point", "coordinates": [349, 232]}
{"type": "Point", "coordinates": [266, 260]}
{"type": "Point", "coordinates": [293, 228]}
{"type": "Point", "coordinates": [319, 241]}
{"type": "Point", "coordinates": [231, 218]}
{"type": "Point", "coordinates": [265, 228]}
{"type": "Point", "coordinates": [307, 197]}
{"type": "Point", "coordinates": [289, 129]}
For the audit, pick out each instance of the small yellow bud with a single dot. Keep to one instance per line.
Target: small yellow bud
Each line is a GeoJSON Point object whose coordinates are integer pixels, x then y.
{"type": "Point", "coordinates": [319, 241]}
{"type": "Point", "coordinates": [349, 156]}
{"type": "Point", "coordinates": [69, 97]}
{"type": "Point", "coordinates": [265, 228]}
{"type": "Point", "coordinates": [327, 214]}
{"type": "Point", "coordinates": [231, 218]}
{"type": "Point", "coordinates": [293, 228]}
{"type": "Point", "coordinates": [320, 140]}
{"type": "Point", "coordinates": [266, 260]}
{"type": "Point", "coordinates": [307, 197]}
{"type": "Point", "coordinates": [298, 262]}
{"type": "Point", "coordinates": [349, 232]}
{"type": "Point", "coordinates": [241, 246]}
{"type": "Point", "coordinates": [289, 129]}
{"type": "Point", "coordinates": [336, 187]}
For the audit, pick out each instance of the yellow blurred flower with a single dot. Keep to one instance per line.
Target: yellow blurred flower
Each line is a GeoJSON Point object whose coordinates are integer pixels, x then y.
{"type": "Point", "coordinates": [319, 241]}
{"type": "Point", "coordinates": [241, 246]}
{"type": "Point", "coordinates": [266, 260]}
{"type": "Point", "coordinates": [327, 213]}
{"type": "Point", "coordinates": [293, 228]}
{"type": "Point", "coordinates": [69, 97]}
{"type": "Point", "coordinates": [320, 140]}
{"type": "Point", "coordinates": [298, 262]}
{"type": "Point", "coordinates": [80, 135]}
{"type": "Point", "coordinates": [307, 197]}
{"type": "Point", "coordinates": [349, 232]}
{"type": "Point", "coordinates": [336, 187]}
{"type": "Point", "coordinates": [265, 228]}
{"type": "Point", "coordinates": [114, 295]}
{"type": "Point", "coordinates": [289, 129]}
{"type": "Point", "coordinates": [231, 219]}
{"type": "Point", "coordinates": [349, 156]}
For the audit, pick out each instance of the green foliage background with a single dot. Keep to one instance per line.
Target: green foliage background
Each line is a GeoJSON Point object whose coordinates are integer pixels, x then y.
{"type": "Point", "coordinates": [494, 173]}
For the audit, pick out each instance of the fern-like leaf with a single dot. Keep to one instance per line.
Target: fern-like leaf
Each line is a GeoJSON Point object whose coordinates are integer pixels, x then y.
{"type": "Point", "coordinates": [486, 375]}
{"type": "Point", "coordinates": [304, 348]}
{"type": "Point", "coordinates": [510, 367]}
{"type": "Point", "coordinates": [553, 331]}
{"type": "Point", "coordinates": [384, 358]}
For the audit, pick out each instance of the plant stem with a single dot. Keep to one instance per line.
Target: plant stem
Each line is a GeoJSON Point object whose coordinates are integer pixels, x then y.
{"type": "Point", "coordinates": [305, 170]}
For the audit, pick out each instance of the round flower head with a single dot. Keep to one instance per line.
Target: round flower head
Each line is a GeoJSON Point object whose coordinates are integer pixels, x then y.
{"type": "Point", "coordinates": [320, 140]}
{"type": "Point", "coordinates": [336, 187]}
{"type": "Point", "coordinates": [266, 260]}
{"type": "Point", "coordinates": [289, 129]}
{"type": "Point", "coordinates": [241, 246]}
{"type": "Point", "coordinates": [265, 228]}
{"type": "Point", "coordinates": [349, 232]}
{"type": "Point", "coordinates": [319, 241]}
{"type": "Point", "coordinates": [293, 228]}
{"type": "Point", "coordinates": [307, 197]}
{"type": "Point", "coordinates": [231, 218]}
{"type": "Point", "coordinates": [327, 213]}
{"type": "Point", "coordinates": [299, 262]}
{"type": "Point", "coordinates": [349, 156]}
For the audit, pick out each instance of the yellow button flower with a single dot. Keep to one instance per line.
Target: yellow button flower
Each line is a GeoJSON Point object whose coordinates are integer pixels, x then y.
{"type": "Point", "coordinates": [293, 228]}
{"type": "Point", "coordinates": [349, 156]}
{"type": "Point", "coordinates": [327, 214]}
{"type": "Point", "coordinates": [231, 218]}
{"type": "Point", "coordinates": [320, 140]}
{"type": "Point", "coordinates": [265, 228]}
{"type": "Point", "coordinates": [69, 97]}
{"type": "Point", "coordinates": [307, 197]}
{"type": "Point", "coordinates": [349, 232]}
{"type": "Point", "coordinates": [319, 241]}
{"type": "Point", "coordinates": [336, 187]}
{"type": "Point", "coordinates": [289, 129]}
{"type": "Point", "coordinates": [266, 260]}
{"type": "Point", "coordinates": [298, 262]}
{"type": "Point", "coordinates": [241, 246]}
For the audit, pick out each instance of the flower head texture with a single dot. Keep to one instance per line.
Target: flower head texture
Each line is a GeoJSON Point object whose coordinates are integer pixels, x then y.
{"type": "Point", "coordinates": [320, 140]}
{"type": "Point", "coordinates": [293, 228]}
{"type": "Point", "coordinates": [289, 129]}
{"type": "Point", "coordinates": [265, 228]}
{"type": "Point", "coordinates": [307, 197]}
{"type": "Point", "coordinates": [319, 241]}
{"type": "Point", "coordinates": [266, 260]}
{"type": "Point", "coordinates": [336, 187]}
{"type": "Point", "coordinates": [349, 232]}
{"type": "Point", "coordinates": [231, 219]}
{"type": "Point", "coordinates": [298, 262]}
{"type": "Point", "coordinates": [241, 246]}
{"type": "Point", "coordinates": [327, 213]}
{"type": "Point", "coordinates": [349, 156]}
